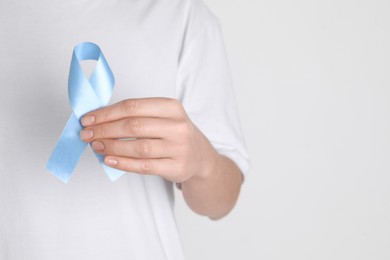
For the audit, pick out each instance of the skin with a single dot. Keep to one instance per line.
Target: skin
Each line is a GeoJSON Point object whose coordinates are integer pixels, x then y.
{"type": "Point", "coordinates": [165, 143]}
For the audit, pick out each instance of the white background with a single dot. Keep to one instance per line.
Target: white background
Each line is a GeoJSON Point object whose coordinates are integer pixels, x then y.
{"type": "Point", "coordinates": [313, 88]}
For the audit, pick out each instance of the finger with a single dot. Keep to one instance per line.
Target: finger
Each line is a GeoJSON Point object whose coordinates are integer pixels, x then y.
{"type": "Point", "coordinates": [129, 128]}
{"type": "Point", "coordinates": [142, 107]}
{"type": "Point", "coordinates": [161, 167]}
{"type": "Point", "coordinates": [139, 148]}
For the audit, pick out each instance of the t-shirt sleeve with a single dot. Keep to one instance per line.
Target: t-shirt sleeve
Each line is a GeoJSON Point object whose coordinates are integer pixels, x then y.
{"type": "Point", "coordinates": [205, 86]}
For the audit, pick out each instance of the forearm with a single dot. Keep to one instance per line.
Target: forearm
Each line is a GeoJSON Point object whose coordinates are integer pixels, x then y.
{"type": "Point", "coordinates": [214, 192]}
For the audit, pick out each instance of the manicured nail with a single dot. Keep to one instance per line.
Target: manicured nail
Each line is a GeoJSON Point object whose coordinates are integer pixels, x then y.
{"type": "Point", "coordinates": [111, 162]}
{"type": "Point", "coordinates": [98, 146]}
{"type": "Point", "coordinates": [87, 120]}
{"type": "Point", "coordinates": [86, 134]}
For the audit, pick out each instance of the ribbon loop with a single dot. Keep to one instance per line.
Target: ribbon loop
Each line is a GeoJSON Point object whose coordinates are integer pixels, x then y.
{"type": "Point", "coordinates": [84, 96]}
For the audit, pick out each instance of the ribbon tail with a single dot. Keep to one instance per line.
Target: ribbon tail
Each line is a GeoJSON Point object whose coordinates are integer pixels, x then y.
{"type": "Point", "coordinates": [112, 173]}
{"type": "Point", "coordinates": [68, 150]}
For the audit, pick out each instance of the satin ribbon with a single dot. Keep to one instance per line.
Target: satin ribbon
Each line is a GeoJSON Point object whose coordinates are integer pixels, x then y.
{"type": "Point", "coordinates": [84, 96]}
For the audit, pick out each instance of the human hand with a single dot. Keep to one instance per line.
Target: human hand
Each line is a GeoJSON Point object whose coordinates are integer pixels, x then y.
{"type": "Point", "coordinates": [164, 140]}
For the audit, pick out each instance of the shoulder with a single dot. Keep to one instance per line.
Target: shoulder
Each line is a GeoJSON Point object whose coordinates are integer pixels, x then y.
{"type": "Point", "coordinates": [199, 13]}
{"type": "Point", "coordinates": [196, 12]}
{"type": "Point", "coordinates": [197, 18]}
{"type": "Point", "coordinates": [188, 14]}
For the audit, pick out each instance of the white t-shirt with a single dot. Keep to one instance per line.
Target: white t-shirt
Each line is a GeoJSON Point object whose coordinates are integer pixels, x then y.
{"type": "Point", "coordinates": [164, 48]}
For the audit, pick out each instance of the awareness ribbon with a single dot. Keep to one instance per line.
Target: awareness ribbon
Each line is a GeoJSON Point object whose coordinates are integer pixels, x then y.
{"type": "Point", "coordinates": [84, 96]}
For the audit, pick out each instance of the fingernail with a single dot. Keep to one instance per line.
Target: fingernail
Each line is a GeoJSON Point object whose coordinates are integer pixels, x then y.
{"type": "Point", "coordinates": [87, 120]}
{"type": "Point", "coordinates": [86, 134]}
{"type": "Point", "coordinates": [111, 162]}
{"type": "Point", "coordinates": [98, 146]}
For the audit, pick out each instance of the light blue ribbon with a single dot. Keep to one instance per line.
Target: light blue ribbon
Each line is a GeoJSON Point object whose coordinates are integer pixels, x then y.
{"type": "Point", "coordinates": [84, 96]}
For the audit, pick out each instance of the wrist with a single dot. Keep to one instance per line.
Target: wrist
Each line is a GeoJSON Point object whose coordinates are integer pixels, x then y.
{"type": "Point", "coordinates": [207, 163]}
{"type": "Point", "coordinates": [208, 170]}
